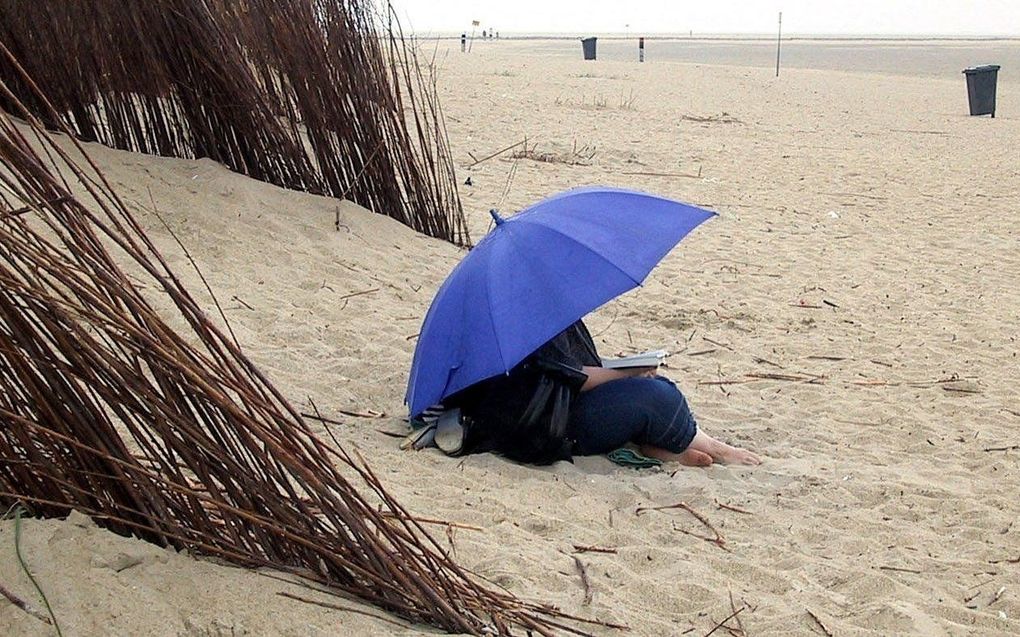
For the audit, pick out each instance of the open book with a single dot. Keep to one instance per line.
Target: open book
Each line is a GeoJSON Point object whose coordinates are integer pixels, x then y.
{"type": "Point", "coordinates": [651, 358]}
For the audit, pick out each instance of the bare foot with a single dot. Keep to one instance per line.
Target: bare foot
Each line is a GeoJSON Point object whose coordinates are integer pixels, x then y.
{"type": "Point", "coordinates": [688, 457]}
{"type": "Point", "coordinates": [722, 452]}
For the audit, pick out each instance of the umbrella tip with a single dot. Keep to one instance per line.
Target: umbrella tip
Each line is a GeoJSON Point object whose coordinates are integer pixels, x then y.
{"type": "Point", "coordinates": [495, 216]}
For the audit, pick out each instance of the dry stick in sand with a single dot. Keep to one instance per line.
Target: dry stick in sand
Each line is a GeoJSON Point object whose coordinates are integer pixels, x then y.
{"type": "Point", "coordinates": [1008, 448]}
{"type": "Point", "coordinates": [353, 294]}
{"type": "Point", "coordinates": [729, 507]}
{"type": "Point", "coordinates": [900, 569]}
{"type": "Point", "coordinates": [722, 345]}
{"type": "Point", "coordinates": [718, 540]}
{"type": "Point", "coordinates": [23, 605]}
{"type": "Point", "coordinates": [733, 607]}
{"type": "Point", "coordinates": [241, 301]}
{"type": "Point", "coordinates": [588, 594]}
{"type": "Point", "coordinates": [759, 359]}
{"type": "Point", "coordinates": [498, 152]}
{"type": "Point", "coordinates": [827, 632]}
{"type": "Point", "coordinates": [321, 419]}
{"type": "Point", "coordinates": [728, 618]}
{"type": "Point", "coordinates": [456, 525]}
{"type": "Point", "coordinates": [593, 549]}
{"type": "Point", "coordinates": [21, 561]}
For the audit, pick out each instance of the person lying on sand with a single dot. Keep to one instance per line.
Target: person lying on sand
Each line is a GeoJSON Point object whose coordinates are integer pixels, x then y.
{"type": "Point", "coordinates": [561, 401]}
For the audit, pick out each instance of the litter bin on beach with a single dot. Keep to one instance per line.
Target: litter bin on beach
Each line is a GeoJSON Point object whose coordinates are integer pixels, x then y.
{"type": "Point", "coordinates": [981, 88]}
{"type": "Point", "coordinates": [589, 48]}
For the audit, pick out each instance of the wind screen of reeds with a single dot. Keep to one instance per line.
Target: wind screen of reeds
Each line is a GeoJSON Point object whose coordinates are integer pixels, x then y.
{"type": "Point", "coordinates": [324, 96]}
{"type": "Point", "coordinates": [175, 436]}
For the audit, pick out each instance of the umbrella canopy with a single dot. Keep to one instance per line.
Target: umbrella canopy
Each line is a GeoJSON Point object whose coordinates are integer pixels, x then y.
{"type": "Point", "coordinates": [535, 274]}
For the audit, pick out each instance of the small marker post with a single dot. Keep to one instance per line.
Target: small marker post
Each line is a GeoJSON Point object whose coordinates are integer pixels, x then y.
{"type": "Point", "coordinates": [641, 49]}
{"type": "Point", "coordinates": [779, 41]}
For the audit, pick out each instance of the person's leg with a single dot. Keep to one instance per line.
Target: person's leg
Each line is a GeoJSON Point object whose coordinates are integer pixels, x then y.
{"type": "Point", "coordinates": [642, 410]}
{"type": "Point", "coordinates": [652, 413]}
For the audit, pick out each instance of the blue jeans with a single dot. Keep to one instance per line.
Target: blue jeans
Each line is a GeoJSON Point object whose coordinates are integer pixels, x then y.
{"type": "Point", "coordinates": [646, 411]}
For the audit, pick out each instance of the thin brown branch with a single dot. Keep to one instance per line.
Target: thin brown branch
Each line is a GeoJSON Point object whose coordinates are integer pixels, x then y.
{"type": "Point", "coordinates": [583, 570]}
{"type": "Point", "coordinates": [23, 605]}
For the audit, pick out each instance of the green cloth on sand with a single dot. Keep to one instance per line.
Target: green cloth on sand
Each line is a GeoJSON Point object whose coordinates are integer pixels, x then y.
{"type": "Point", "coordinates": [627, 457]}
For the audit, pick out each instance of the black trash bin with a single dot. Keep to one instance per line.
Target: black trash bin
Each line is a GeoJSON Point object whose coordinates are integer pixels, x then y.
{"type": "Point", "coordinates": [589, 48]}
{"type": "Point", "coordinates": [981, 88]}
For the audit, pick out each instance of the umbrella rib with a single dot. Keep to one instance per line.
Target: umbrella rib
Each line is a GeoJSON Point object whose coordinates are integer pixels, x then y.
{"type": "Point", "coordinates": [488, 303]}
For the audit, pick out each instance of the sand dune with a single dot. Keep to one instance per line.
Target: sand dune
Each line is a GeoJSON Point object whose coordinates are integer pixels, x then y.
{"type": "Point", "coordinates": [851, 315]}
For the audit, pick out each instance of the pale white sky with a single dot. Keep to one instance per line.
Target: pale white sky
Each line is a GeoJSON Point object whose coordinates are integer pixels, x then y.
{"type": "Point", "coordinates": [877, 17]}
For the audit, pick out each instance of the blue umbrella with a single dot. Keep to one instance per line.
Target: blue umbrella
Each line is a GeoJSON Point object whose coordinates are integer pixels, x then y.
{"type": "Point", "coordinates": [535, 274]}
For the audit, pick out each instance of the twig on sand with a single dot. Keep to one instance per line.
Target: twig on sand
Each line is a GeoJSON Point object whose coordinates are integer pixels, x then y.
{"type": "Point", "coordinates": [827, 632]}
{"type": "Point", "coordinates": [765, 361]}
{"type": "Point", "coordinates": [321, 419]}
{"type": "Point", "coordinates": [583, 570]}
{"type": "Point", "coordinates": [346, 609]}
{"type": "Point", "coordinates": [498, 152]}
{"type": "Point", "coordinates": [455, 525]}
{"type": "Point", "coordinates": [729, 507]}
{"type": "Point", "coordinates": [718, 540]}
{"type": "Point", "coordinates": [1006, 448]}
{"type": "Point", "coordinates": [722, 345]}
{"type": "Point", "coordinates": [728, 618]}
{"type": "Point", "coordinates": [353, 294]}
{"type": "Point", "coordinates": [811, 379]}
{"type": "Point", "coordinates": [18, 511]}
{"type": "Point", "coordinates": [368, 413]}
{"type": "Point", "coordinates": [241, 301]}
{"type": "Point", "coordinates": [643, 173]}
{"type": "Point", "coordinates": [740, 624]}
{"type": "Point", "coordinates": [23, 605]}
{"type": "Point", "coordinates": [899, 569]}
{"type": "Point", "coordinates": [593, 549]}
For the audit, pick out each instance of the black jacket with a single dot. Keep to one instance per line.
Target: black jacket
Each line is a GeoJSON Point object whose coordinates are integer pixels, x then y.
{"type": "Point", "coordinates": [523, 414]}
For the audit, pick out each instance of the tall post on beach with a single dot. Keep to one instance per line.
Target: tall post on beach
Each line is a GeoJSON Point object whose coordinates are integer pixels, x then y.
{"type": "Point", "coordinates": [474, 25]}
{"type": "Point", "coordinates": [779, 41]}
{"type": "Point", "coordinates": [641, 49]}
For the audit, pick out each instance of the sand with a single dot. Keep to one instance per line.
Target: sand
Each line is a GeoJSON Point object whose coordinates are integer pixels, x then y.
{"type": "Point", "coordinates": [867, 242]}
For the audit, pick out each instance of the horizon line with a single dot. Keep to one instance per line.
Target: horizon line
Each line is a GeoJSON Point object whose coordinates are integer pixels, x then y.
{"type": "Point", "coordinates": [688, 35]}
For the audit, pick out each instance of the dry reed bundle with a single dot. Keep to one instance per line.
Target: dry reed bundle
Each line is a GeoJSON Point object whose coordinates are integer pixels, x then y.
{"type": "Point", "coordinates": [177, 437]}
{"type": "Point", "coordinates": [312, 95]}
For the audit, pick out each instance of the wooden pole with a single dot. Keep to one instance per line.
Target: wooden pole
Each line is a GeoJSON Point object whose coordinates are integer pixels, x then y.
{"type": "Point", "coordinates": [779, 41]}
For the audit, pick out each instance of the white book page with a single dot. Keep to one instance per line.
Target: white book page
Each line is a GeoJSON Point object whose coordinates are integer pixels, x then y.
{"type": "Point", "coordinates": [651, 358]}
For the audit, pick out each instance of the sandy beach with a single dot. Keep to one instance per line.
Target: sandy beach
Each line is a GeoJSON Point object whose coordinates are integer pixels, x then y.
{"type": "Point", "coordinates": [851, 316]}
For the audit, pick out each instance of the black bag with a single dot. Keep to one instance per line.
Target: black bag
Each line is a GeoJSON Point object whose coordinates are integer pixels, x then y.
{"type": "Point", "coordinates": [523, 415]}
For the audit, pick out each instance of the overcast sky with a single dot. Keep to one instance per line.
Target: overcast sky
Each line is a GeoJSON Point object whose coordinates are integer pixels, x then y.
{"type": "Point", "coordinates": [905, 17]}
